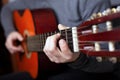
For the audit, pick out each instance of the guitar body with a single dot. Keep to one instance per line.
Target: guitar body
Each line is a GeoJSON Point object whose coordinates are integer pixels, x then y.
{"type": "Point", "coordinates": [31, 23]}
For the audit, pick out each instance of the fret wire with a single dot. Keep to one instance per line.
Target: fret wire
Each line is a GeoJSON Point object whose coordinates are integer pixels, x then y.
{"type": "Point", "coordinates": [47, 34]}
{"type": "Point", "coordinates": [66, 35]}
{"type": "Point", "coordinates": [43, 41]}
{"type": "Point", "coordinates": [40, 40]}
{"type": "Point", "coordinates": [63, 34]}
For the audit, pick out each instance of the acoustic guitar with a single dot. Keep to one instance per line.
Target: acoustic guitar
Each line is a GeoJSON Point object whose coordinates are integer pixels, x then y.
{"type": "Point", "coordinates": [36, 25]}
{"type": "Point", "coordinates": [31, 23]}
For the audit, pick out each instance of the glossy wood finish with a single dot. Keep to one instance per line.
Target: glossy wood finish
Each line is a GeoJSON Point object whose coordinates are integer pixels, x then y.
{"type": "Point", "coordinates": [102, 36]}
{"type": "Point", "coordinates": [33, 22]}
{"type": "Point", "coordinates": [22, 23]}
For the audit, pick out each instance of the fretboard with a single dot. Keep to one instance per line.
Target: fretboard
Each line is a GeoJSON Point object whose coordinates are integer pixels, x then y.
{"type": "Point", "coordinates": [37, 42]}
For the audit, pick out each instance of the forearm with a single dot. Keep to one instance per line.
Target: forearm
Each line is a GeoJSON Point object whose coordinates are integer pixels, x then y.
{"type": "Point", "coordinates": [6, 20]}
{"type": "Point", "coordinates": [90, 64]}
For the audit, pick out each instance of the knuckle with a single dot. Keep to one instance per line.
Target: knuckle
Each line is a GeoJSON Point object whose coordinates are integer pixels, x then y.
{"type": "Point", "coordinates": [11, 51]}
{"type": "Point", "coordinates": [6, 45]}
{"type": "Point", "coordinates": [57, 61]}
{"type": "Point", "coordinates": [63, 61]}
{"type": "Point", "coordinates": [51, 59]}
{"type": "Point", "coordinates": [51, 50]}
{"type": "Point", "coordinates": [44, 50]}
{"type": "Point", "coordinates": [69, 57]}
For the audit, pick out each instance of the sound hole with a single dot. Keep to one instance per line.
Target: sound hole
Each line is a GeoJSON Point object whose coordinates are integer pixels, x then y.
{"type": "Point", "coordinates": [24, 44]}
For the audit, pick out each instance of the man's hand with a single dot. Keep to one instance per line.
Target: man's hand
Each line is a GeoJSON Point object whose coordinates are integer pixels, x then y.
{"type": "Point", "coordinates": [59, 55]}
{"type": "Point", "coordinates": [13, 36]}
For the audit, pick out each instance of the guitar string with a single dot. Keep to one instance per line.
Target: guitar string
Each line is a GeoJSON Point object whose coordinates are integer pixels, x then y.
{"type": "Point", "coordinates": [40, 43]}
{"type": "Point", "coordinates": [86, 50]}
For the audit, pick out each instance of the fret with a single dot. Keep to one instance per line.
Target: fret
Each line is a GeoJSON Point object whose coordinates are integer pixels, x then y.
{"type": "Point", "coordinates": [63, 36]}
{"type": "Point", "coordinates": [51, 33]}
{"type": "Point", "coordinates": [66, 36]}
{"type": "Point", "coordinates": [45, 37]}
{"type": "Point", "coordinates": [48, 34]}
{"type": "Point", "coordinates": [70, 39]}
{"type": "Point", "coordinates": [56, 32]}
{"type": "Point", "coordinates": [42, 40]}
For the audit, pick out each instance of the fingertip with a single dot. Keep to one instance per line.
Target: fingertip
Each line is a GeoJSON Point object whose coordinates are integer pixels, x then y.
{"type": "Point", "coordinates": [62, 27]}
{"type": "Point", "coordinates": [20, 38]}
{"type": "Point", "coordinates": [63, 44]}
{"type": "Point", "coordinates": [58, 34]}
{"type": "Point", "coordinates": [62, 41]}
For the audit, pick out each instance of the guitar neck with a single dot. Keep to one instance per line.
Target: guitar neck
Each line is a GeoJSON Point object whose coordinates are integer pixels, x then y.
{"type": "Point", "coordinates": [37, 42]}
{"type": "Point", "coordinates": [84, 38]}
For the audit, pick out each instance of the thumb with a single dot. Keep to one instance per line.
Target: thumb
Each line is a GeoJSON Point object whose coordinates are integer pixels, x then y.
{"type": "Point", "coordinates": [62, 27]}
{"type": "Point", "coordinates": [19, 37]}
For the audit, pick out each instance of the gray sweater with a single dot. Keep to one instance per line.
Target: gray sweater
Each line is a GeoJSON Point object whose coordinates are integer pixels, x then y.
{"type": "Point", "coordinates": [69, 13]}
{"type": "Point", "coordinates": [115, 2]}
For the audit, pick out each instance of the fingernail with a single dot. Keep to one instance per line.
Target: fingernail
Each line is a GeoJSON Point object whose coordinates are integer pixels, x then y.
{"type": "Point", "coordinates": [58, 34]}
{"type": "Point", "coordinates": [62, 41]}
